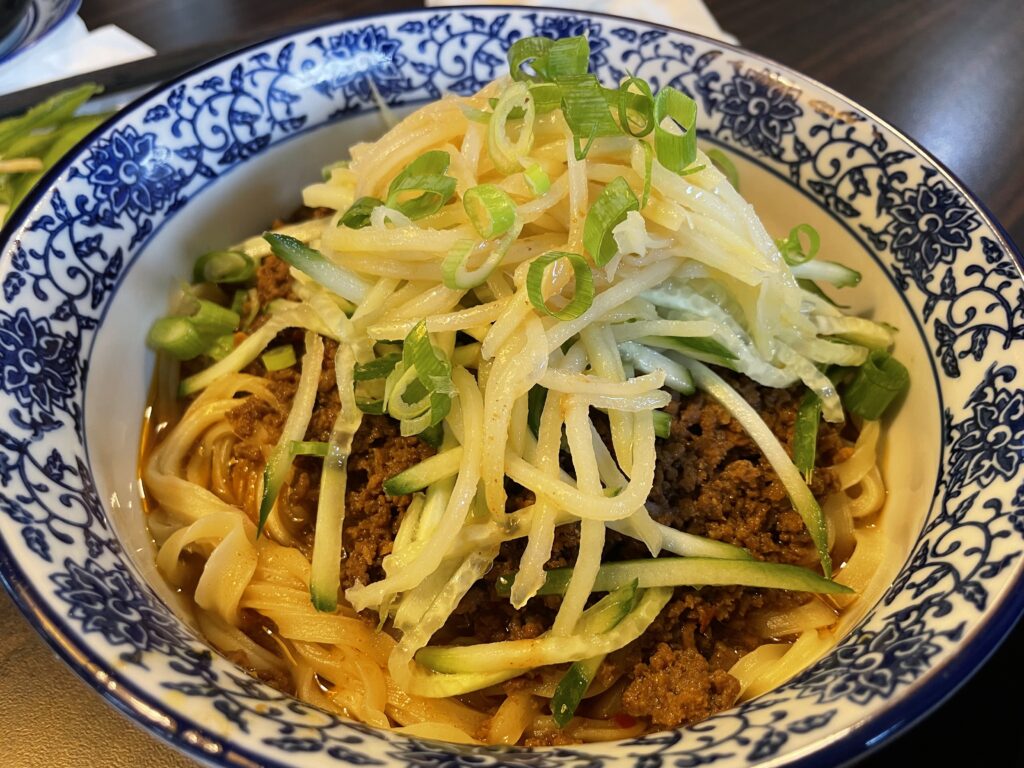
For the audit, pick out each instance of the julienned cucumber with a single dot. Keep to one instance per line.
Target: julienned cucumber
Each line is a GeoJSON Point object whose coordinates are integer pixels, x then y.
{"type": "Point", "coordinates": [418, 477]}
{"type": "Point", "coordinates": [542, 651]}
{"type": "Point", "coordinates": [574, 685]}
{"type": "Point", "coordinates": [690, 571]}
{"type": "Point", "coordinates": [827, 271]}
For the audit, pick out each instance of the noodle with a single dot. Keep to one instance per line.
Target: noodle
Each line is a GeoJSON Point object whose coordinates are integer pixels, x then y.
{"type": "Point", "coordinates": [542, 340]}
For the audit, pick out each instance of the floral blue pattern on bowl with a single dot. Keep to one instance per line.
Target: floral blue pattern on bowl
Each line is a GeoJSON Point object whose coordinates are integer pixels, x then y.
{"type": "Point", "coordinates": [71, 247]}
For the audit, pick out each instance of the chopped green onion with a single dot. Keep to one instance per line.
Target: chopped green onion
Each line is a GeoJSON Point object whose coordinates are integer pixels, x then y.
{"type": "Point", "coordinates": [506, 154]}
{"type": "Point", "coordinates": [567, 57]}
{"type": "Point", "coordinates": [586, 111]}
{"type": "Point", "coordinates": [675, 151]}
{"type": "Point", "coordinates": [547, 97]}
{"type": "Point", "coordinates": [722, 162]}
{"type": "Point", "coordinates": [308, 448]}
{"type": "Point", "coordinates": [607, 212]}
{"type": "Point", "coordinates": [331, 276]}
{"type": "Point", "coordinates": [358, 214]}
{"type": "Point", "coordinates": [537, 179]}
{"type": "Point", "coordinates": [178, 337]}
{"type": "Point", "coordinates": [532, 51]}
{"type": "Point", "coordinates": [432, 372]}
{"type": "Point", "coordinates": [689, 571]}
{"type": "Point", "coordinates": [632, 105]}
{"type": "Point", "coordinates": [584, 293]}
{"type": "Point", "coordinates": [279, 358]}
{"type": "Point", "coordinates": [433, 435]}
{"type": "Point", "coordinates": [223, 267]}
{"type": "Point", "coordinates": [805, 434]}
{"type": "Point", "coordinates": [648, 173]}
{"type": "Point", "coordinates": [880, 380]}
{"type": "Point", "coordinates": [662, 424]}
{"type": "Point", "coordinates": [425, 175]}
{"type": "Point", "coordinates": [455, 270]}
{"type": "Point", "coordinates": [372, 407]}
{"type": "Point", "coordinates": [212, 320]}
{"type": "Point", "coordinates": [490, 210]}
{"type": "Point", "coordinates": [792, 247]}
{"type": "Point", "coordinates": [376, 369]}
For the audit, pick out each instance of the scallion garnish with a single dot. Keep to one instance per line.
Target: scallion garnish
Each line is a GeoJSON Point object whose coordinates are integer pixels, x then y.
{"type": "Point", "coordinates": [607, 212]}
{"type": "Point", "coordinates": [279, 358]}
{"type": "Point", "coordinates": [586, 111]}
{"type": "Point", "coordinates": [537, 179]}
{"type": "Point", "coordinates": [805, 434]}
{"type": "Point", "coordinates": [379, 368]}
{"type": "Point", "coordinates": [178, 337]}
{"type": "Point", "coordinates": [636, 110]}
{"type": "Point", "coordinates": [223, 267]}
{"type": "Point", "coordinates": [880, 380]}
{"type": "Point", "coordinates": [793, 249]}
{"type": "Point", "coordinates": [675, 150]}
{"type": "Point", "coordinates": [491, 211]}
{"type": "Point", "coordinates": [507, 154]}
{"type": "Point", "coordinates": [584, 293]}
{"type": "Point", "coordinates": [424, 175]}
{"type": "Point", "coordinates": [358, 214]}
{"type": "Point", "coordinates": [425, 373]}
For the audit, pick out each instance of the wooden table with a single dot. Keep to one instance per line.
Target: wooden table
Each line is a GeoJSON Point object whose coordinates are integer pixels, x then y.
{"type": "Point", "coordinates": [947, 73]}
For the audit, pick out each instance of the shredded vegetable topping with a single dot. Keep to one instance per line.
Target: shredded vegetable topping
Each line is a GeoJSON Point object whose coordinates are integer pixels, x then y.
{"type": "Point", "coordinates": [501, 274]}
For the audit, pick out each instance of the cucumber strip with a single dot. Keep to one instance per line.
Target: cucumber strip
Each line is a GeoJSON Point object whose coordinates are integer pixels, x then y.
{"type": "Point", "coordinates": [308, 448]}
{"type": "Point", "coordinates": [325, 569]}
{"type": "Point", "coordinates": [295, 425]}
{"type": "Point", "coordinates": [698, 347]}
{"type": "Point", "coordinates": [542, 651]}
{"type": "Point", "coordinates": [573, 686]}
{"type": "Point", "coordinates": [799, 494]}
{"type": "Point", "coordinates": [688, 572]}
{"type": "Point", "coordinates": [438, 467]}
{"type": "Point", "coordinates": [828, 271]}
{"type": "Point", "coordinates": [662, 424]}
{"type": "Point", "coordinates": [805, 434]}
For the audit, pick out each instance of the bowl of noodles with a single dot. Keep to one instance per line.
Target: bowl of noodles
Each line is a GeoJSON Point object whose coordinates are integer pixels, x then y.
{"type": "Point", "coordinates": [510, 387]}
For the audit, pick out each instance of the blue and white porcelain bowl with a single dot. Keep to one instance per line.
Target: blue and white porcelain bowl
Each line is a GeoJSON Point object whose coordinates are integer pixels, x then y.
{"type": "Point", "coordinates": [212, 157]}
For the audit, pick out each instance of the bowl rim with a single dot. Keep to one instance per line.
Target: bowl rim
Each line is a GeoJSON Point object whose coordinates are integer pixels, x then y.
{"type": "Point", "coordinates": [889, 719]}
{"type": "Point", "coordinates": [58, 21]}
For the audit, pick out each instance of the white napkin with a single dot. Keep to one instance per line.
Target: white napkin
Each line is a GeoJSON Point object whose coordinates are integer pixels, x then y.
{"type": "Point", "coordinates": [69, 50]}
{"type": "Point", "coordinates": [691, 15]}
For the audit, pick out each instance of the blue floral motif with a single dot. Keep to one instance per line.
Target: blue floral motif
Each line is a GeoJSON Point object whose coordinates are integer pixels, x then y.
{"type": "Point", "coordinates": [955, 271]}
{"type": "Point", "coordinates": [872, 667]}
{"type": "Point", "coordinates": [359, 62]}
{"type": "Point", "coordinates": [37, 365]}
{"type": "Point", "coordinates": [990, 444]}
{"type": "Point", "coordinates": [758, 111]}
{"type": "Point", "coordinates": [131, 171]}
{"type": "Point", "coordinates": [930, 224]}
{"type": "Point", "coordinates": [109, 602]}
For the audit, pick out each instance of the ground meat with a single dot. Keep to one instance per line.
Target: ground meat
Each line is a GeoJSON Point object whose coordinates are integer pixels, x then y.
{"type": "Point", "coordinates": [678, 686]}
{"type": "Point", "coordinates": [710, 480]}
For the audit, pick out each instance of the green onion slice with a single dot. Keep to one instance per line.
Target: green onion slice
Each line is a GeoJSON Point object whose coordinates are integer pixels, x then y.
{"type": "Point", "coordinates": [178, 337]}
{"type": "Point", "coordinates": [425, 175]}
{"type": "Point", "coordinates": [722, 162]}
{"type": "Point", "coordinates": [675, 151]}
{"type": "Point", "coordinates": [358, 214]}
{"type": "Point", "coordinates": [507, 154]}
{"type": "Point", "coordinates": [585, 108]}
{"type": "Point", "coordinates": [223, 267]}
{"type": "Point", "coordinates": [878, 382]}
{"type": "Point", "coordinates": [531, 51]}
{"type": "Point", "coordinates": [212, 320]}
{"type": "Point", "coordinates": [636, 107]}
{"type": "Point", "coordinates": [567, 57]}
{"type": "Point", "coordinates": [279, 358]}
{"type": "Point", "coordinates": [607, 212]}
{"type": "Point", "coordinates": [490, 210]}
{"type": "Point", "coordinates": [537, 179]}
{"type": "Point", "coordinates": [433, 374]}
{"type": "Point", "coordinates": [793, 249]}
{"type": "Point", "coordinates": [583, 296]}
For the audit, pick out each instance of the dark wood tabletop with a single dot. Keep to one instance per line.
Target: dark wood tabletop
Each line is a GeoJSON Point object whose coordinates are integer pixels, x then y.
{"type": "Point", "coordinates": [947, 73]}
